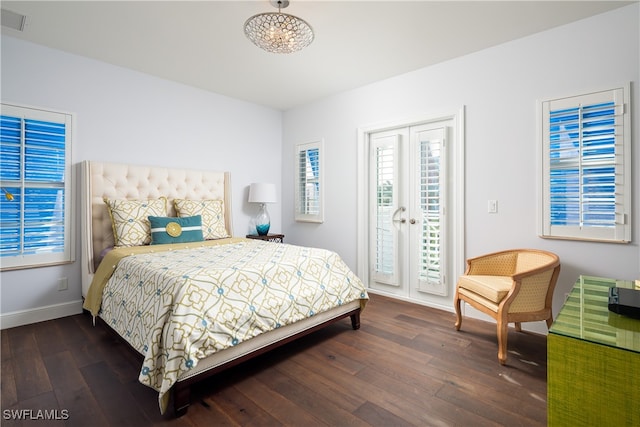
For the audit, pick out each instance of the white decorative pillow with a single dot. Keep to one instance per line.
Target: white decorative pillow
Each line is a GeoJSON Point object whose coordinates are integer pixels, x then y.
{"type": "Point", "coordinates": [130, 222]}
{"type": "Point", "coordinates": [212, 213]}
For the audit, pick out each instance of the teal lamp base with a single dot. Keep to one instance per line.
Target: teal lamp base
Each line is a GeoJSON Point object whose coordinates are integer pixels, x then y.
{"type": "Point", "coordinates": [263, 222]}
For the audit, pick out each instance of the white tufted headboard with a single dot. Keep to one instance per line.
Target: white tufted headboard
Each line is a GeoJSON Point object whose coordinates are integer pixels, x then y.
{"type": "Point", "coordinates": [135, 182]}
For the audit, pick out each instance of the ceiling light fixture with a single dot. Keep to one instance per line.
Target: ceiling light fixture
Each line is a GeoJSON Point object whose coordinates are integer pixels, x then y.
{"type": "Point", "coordinates": [278, 32]}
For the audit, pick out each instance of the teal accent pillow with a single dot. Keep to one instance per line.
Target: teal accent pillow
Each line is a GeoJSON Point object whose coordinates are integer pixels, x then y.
{"type": "Point", "coordinates": [175, 230]}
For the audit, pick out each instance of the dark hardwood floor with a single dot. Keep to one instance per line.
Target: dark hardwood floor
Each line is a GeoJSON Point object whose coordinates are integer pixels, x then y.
{"type": "Point", "coordinates": [406, 366]}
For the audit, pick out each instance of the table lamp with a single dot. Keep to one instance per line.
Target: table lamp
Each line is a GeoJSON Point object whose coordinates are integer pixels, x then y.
{"type": "Point", "coordinates": [262, 193]}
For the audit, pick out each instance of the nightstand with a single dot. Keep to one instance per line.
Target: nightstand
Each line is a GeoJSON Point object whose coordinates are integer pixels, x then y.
{"type": "Point", "coordinates": [276, 238]}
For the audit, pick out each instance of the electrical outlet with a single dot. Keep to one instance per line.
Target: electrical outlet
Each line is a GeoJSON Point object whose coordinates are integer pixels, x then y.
{"type": "Point", "coordinates": [492, 206]}
{"type": "Point", "coordinates": [63, 284]}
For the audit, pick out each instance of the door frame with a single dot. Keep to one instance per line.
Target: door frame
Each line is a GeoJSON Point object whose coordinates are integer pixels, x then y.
{"type": "Point", "coordinates": [456, 263]}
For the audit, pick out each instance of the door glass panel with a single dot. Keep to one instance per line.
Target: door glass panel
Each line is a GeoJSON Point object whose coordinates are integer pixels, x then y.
{"type": "Point", "coordinates": [384, 206]}
{"type": "Point", "coordinates": [429, 202]}
{"type": "Point", "coordinates": [430, 209]}
{"type": "Point", "coordinates": [385, 234]}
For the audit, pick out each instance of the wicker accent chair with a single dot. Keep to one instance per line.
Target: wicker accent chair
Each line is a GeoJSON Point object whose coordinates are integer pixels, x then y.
{"type": "Point", "coordinates": [511, 286]}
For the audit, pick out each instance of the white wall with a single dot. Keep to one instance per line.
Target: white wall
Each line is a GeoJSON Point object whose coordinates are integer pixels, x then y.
{"type": "Point", "coordinates": [129, 117]}
{"type": "Point", "coordinates": [499, 88]}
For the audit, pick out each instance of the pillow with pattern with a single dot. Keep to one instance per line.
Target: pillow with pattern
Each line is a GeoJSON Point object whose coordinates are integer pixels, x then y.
{"type": "Point", "coordinates": [130, 219]}
{"type": "Point", "coordinates": [175, 230]}
{"type": "Point", "coordinates": [212, 213]}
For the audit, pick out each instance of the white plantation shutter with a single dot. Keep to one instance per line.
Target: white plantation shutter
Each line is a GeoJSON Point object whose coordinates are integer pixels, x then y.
{"type": "Point", "coordinates": [308, 185]}
{"type": "Point", "coordinates": [385, 262]}
{"type": "Point", "coordinates": [35, 227]}
{"type": "Point", "coordinates": [429, 202]}
{"type": "Point", "coordinates": [586, 167]}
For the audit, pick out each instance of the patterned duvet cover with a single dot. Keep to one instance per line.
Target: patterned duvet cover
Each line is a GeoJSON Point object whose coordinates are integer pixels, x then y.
{"type": "Point", "coordinates": [179, 306]}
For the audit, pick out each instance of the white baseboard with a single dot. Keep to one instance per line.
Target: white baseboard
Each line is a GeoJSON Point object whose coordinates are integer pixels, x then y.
{"type": "Point", "coordinates": [448, 307]}
{"type": "Point", "coordinates": [40, 314]}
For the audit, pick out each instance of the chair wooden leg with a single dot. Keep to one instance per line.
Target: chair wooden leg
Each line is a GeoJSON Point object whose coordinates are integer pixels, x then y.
{"type": "Point", "coordinates": [518, 326]}
{"type": "Point", "coordinates": [549, 322]}
{"type": "Point", "coordinates": [502, 339]}
{"type": "Point", "coordinates": [456, 305]}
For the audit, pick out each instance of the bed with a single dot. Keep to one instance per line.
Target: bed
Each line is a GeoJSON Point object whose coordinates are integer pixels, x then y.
{"type": "Point", "coordinates": [193, 308]}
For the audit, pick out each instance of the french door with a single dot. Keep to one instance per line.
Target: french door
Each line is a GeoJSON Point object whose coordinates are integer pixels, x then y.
{"type": "Point", "coordinates": [408, 211]}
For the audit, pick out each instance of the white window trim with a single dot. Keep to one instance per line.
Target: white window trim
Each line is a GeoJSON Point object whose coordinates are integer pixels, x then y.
{"type": "Point", "coordinates": [621, 233]}
{"type": "Point", "coordinates": [68, 255]}
{"type": "Point", "coordinates": [301, 216]}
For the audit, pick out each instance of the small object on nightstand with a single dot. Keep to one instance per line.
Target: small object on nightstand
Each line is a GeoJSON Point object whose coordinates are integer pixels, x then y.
{"type": "Point", "coordinates": [276, 238]}
{"type": "Point", "coordinates": [262, 193]}
{"type": "Point", "coordinates": [625, 301]}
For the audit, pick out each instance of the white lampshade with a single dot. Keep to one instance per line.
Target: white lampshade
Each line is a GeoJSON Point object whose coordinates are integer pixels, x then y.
{"type": "Point", "coordinates": [261, 192]}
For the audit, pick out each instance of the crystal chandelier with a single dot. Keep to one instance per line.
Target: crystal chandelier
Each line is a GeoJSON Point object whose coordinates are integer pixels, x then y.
{"type": "Point", "coordinates": [278, 32]}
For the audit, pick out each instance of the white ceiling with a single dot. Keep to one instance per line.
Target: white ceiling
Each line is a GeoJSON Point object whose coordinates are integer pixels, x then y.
{"type": "Point", "coordinates": [202, 44]}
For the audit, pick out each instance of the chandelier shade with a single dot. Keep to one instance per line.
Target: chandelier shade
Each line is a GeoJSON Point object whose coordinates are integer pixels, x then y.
{"type": "Point", "coordinates": [278, 32]}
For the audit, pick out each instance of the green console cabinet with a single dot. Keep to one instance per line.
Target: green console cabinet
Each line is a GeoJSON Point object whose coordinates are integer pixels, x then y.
{"type": "Point", "coordinates": [593, 360]}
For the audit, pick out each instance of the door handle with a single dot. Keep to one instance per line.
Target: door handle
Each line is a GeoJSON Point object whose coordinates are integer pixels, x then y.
{"type": "Point", "coordinates": [401, 220]}
{"type": "Point", "coordinates": [412, 221]}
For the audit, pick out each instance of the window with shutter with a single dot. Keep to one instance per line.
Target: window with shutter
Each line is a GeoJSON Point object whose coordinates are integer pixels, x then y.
{"type": "Point", "coordinates": [308, 186]}
{"type": "Point", "coordinates": [35, 175]}
{"type": "Point", "coordinates": [586, 167]}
